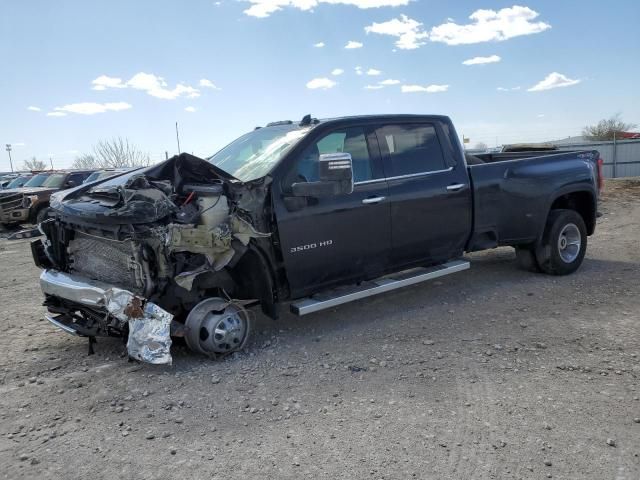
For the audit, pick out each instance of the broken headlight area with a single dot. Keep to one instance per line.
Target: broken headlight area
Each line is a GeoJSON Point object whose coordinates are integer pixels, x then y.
{"type": "Point", "coordinates": [166, 235]}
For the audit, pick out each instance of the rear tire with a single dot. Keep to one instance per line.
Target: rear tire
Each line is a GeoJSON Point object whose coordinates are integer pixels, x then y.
{"type": "Point", "coordinates": [564, 243]}
{"type": "Point", "coordinates": [526, 259]}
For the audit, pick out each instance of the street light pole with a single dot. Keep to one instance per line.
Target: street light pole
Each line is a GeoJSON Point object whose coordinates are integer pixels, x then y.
{"type": "Point", "coordinates": [9, 152]}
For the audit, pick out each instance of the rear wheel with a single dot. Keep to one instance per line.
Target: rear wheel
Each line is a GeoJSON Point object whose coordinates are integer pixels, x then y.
{"type": "Point", "coordinates": [564, 243]}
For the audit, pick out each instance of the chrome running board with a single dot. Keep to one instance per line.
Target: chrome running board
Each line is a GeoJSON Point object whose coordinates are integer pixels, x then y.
{"type": "Point", "coordinates": [334, 298]}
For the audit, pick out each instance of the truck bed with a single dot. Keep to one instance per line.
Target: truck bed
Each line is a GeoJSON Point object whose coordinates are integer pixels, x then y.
{"type": "Point", "coordinates": [514, 191]}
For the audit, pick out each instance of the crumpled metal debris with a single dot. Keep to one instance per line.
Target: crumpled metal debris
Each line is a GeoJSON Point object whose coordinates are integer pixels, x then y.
{"type": "Point", "coordinates": [214, 243]}
{"type": "Point", "coordinates": [149, 326]}
{"type": "Point", "coordinates": [150, 336]}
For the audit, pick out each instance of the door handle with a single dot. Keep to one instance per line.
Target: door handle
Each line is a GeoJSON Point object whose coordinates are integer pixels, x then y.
{"type": "Point", "coordinates": [370, 200]}
{"type": "Point", "coordinates": [455, 187]}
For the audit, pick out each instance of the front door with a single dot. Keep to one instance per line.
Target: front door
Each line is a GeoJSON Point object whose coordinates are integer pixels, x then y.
{"type": "Point", "coordinates": [339, 239]}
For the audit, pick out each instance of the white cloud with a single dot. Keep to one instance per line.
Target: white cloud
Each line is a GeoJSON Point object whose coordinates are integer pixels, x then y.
{"type": "Point", "coordinates": [156, 87]}
{"type": "Point", "coordinates": [540, 115]}
{"type": "Point", "coordinates": [33, 108]}
{"type": "Point", "coordinates": [373, 87]}
{"type": "Point", "coordinates": [553, 80]}
{"type": "Point", "coordinates": [427, 89]}
{"type": "Point", "coordinates": [489, 25]}
{"type": "Point", "coordinates": [319, 44]}
{"type": "Point", "coordinates": [323, 83]}
{"type": "Point", "coordinates": [151, 84]}
{"type": "Point", "coordinates": [409, 32]}
{"type": "Point", "coordinates": [389, 81]}
{"type": "Point", "coordinates": [190, 109]}
{"type": "Point", "coordinates": [359, 70]}
{"type": "Point", "coordinates": [206, 83]}
{"type": "Point", "coordinates": [372, 72]}
{"type": "Point", "coordinates": [337, 71]}
{"type": "Point", "coordinates": [264, 8]}
{"type": "Point", "coordinates": [351, 44]}
{"type": "Point", "coordinates": [103, 82]}
{"type": "Point", "coordinates": [506, 89]}
{"type": "Point", "coordinates": [89, 108]}
{"type": "Point", "coordinates": [482, 60]}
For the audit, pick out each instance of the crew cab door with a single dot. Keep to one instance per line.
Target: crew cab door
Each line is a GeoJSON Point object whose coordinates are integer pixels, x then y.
{"type": "Point", "coordinates": [429, 193]}
{"type": "Point", "coordinates": [341, 238]}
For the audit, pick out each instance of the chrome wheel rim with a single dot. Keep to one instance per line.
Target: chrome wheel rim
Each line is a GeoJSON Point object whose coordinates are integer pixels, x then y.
{"type": "Point", "coordinates": [569, 243]}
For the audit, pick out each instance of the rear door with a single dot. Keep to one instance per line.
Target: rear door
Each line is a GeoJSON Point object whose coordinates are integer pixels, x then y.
{"type": "Point", "coordinates": [339, 239]}
{"type": "Point", "coordinates": [429, 193]}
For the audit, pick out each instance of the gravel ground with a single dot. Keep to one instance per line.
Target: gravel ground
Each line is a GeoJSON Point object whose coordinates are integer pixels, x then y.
{"type": "Point", "coordinates": [490, 373]}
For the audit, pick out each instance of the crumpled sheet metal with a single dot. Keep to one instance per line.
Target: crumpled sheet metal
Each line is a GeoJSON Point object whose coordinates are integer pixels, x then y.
{"type": "Point", "coordinates": [149, 326]}
{"type": "Point", "coordinates": [214, 243]}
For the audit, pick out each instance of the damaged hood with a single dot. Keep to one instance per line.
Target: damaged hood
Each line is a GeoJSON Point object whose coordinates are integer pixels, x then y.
{"type": "Point", "coordinates": [138, 196]}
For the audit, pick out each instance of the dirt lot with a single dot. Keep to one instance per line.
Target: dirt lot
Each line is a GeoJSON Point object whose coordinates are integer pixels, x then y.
{"type": "Point", "coordinates": [491, 373]}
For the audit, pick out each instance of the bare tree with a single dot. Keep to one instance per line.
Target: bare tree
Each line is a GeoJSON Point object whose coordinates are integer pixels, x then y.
{"type": "Point", "coordinates": [118, 152]}
{"type": "Point", "coordinates": [114, 153]}
{"type": "Point", "coordinates": [606, 128]}
{"type": "Point", "coordinates": [480, 146]}
{"type": "Point", "coordinates": [86, 161]}
{"type": "Point", "coordinates": [34, 164]}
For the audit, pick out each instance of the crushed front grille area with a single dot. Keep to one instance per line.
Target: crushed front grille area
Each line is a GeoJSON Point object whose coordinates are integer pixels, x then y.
{"type": "Point", "coordinates": [107, 261]}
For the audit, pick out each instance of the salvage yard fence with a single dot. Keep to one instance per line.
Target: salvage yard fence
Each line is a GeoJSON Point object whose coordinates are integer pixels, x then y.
{"type": "Point", "coordinates": [621, 157]}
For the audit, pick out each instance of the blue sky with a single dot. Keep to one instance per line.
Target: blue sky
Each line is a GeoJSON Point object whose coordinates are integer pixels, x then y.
{"type": "Point", "coordinates": [98, 69]}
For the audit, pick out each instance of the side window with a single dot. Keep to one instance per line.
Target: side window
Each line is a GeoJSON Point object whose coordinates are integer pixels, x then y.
{"type": "Point", "coordinates": [411, 149]}
{"type": "Point", "coordinates": [76, 178]}
{"type": "Point", "coordinates": [349, 140]}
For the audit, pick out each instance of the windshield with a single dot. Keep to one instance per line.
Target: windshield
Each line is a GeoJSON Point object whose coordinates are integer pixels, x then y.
{"type": "Point", "coordinates": [37, 181]}
{"type": "Point", "coordinates": [18, 182]}
{"type": "Point", "coordinates": [55, 180]}
{"type": "Point", "coordinates": [254, 154]}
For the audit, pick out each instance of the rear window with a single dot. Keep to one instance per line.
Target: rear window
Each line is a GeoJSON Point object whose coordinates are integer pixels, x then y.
{"type": "Point", "coordinates": [411, 149]}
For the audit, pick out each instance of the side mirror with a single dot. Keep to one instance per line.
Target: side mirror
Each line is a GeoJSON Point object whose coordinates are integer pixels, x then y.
{"type": "Point", "coordinates": [70, 184]}
{"type": "Point", "coordinates": [336, 177]}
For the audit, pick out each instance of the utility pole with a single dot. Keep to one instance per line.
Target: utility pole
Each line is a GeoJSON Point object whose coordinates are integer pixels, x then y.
{"type": "Point", "coordinates": [178, 138]}
{"type": "Point", "coordinates": [166, 155]}
{"type": "Point", "coordinates": [51, 162]}
{"type": "Point", "coordinates": [9, 152]}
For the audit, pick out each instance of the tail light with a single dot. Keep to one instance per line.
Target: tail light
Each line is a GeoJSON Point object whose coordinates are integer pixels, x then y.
{"type": "Point", "coordinates": [600, 163]}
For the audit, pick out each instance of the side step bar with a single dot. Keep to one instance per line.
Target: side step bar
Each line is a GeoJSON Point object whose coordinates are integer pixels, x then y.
{"type": "Point", "coordinates": [331, 299]}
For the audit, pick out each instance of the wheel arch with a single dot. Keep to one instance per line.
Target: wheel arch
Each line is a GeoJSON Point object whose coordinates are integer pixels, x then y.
{"type": "Point", "coordinates": [255, 279]}
{"type": "Point", "coordinates": [582, 201]}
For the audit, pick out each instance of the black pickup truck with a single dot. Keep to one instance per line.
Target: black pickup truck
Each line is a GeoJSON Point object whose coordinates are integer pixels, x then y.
{"type": "Point", "coordinates": [313, 213]}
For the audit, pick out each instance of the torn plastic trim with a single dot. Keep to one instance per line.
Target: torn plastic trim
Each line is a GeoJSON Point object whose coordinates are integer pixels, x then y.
{"type": "Point", "coordinates": [149, 325]}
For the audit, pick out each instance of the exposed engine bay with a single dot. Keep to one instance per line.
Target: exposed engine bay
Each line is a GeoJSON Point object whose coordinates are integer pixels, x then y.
{"type": "Point", "coordinates": [156, 243]}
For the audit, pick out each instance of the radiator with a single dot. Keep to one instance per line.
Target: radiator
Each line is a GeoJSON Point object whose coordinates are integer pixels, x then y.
{"type": "Point", "coordinates": [107, 261]}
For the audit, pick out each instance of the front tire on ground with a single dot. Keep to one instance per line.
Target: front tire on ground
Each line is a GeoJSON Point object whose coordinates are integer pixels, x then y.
{"type": "Point", "coordinates": [564, 243]}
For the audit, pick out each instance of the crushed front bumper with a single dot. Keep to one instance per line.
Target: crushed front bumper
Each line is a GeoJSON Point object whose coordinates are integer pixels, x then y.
{"type": "Point", "coordinates": [149, 325]}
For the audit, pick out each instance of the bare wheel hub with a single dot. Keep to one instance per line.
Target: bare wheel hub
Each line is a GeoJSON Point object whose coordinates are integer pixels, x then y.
{"type": "Point", "coordinates": [569, 243]}
{"type": "Point", "coordinates": [216, 327]}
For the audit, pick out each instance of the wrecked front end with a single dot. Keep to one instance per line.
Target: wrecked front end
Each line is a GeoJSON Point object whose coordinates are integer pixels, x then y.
{"type": "Point", "coordinates": [133, 256]}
